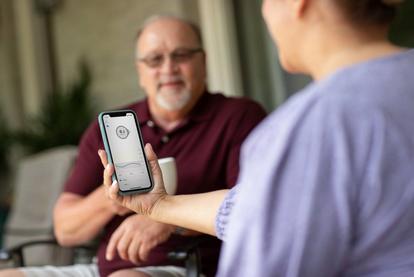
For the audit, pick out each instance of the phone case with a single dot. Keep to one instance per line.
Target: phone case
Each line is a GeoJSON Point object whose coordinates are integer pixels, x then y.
{"type": "Point", "coordinates": [108, 152]}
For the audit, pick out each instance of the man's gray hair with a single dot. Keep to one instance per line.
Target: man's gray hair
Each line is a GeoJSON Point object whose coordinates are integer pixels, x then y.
{"type": "Point", "coordinates": [153, 18]}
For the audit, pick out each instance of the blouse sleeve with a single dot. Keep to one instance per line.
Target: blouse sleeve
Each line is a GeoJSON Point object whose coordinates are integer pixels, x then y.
{"type": "Point", "coordinates": [224, 213]}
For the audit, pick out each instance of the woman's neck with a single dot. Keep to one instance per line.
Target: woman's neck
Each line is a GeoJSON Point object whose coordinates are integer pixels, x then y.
{"type": "Point", "coordinates": [336, 49]}
{"type": "Point", "coordinates": [351, 56]}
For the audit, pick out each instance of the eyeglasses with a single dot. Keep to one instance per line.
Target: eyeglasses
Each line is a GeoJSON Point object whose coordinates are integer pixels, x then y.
{"type": "Point", "coordinates": [177, 56]}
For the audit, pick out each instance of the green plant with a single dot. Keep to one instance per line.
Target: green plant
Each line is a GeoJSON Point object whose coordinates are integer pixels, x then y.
{"type": "Point", "coordinates": [5, 144]}
{"type": "Point", "coordinates": [64, 116]}
{"type": "Point", "coordinates": [401, 31]}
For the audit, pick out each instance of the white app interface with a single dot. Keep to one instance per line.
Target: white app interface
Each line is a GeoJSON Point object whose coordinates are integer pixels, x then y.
{"type": "Point", "coordinates": [127, 154]}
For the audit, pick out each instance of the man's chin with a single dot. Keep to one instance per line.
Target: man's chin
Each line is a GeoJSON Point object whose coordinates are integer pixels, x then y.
{"type": "Point", "coordinates": [172, 103]}
{"type": "Point", "coordinates": [172, 107]}
{"type": "Point", "coordinates": [173, 99]}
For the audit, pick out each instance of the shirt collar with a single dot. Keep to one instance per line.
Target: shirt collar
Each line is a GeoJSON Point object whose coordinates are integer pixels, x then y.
{"type": "Point", "coordinates": [200, 111]}
{"type": "Point", "coordinates": [143, 112]}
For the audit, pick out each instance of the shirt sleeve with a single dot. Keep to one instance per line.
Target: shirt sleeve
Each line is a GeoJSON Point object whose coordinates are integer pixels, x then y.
{"type": "Point", "coordinates": [293, 214]}
{"type": "Point", "coordinates": [86, 174]}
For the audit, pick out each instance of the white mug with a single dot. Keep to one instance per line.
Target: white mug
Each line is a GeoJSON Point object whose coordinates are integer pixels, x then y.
{"type": "Point", "coordinates": [169, 174]}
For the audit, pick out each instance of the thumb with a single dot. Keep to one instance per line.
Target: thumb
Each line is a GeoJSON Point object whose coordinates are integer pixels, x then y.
{"type": "Point", "coordinates": [153, 162]}
{"type": "Point", "coordinates": [152, 159]}
{"type": "Point", "coordinates": [150, 153]}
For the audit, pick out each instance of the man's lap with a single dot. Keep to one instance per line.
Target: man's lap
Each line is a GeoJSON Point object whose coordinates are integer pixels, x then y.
{"type": "Point", "coordinates": [80, 270]}
{"type": "Point", "coordinates": [91, 270]}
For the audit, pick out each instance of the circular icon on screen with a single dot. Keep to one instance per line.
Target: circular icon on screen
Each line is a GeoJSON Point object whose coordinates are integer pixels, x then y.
{"type": "Point", "coordinates": [122, 132]}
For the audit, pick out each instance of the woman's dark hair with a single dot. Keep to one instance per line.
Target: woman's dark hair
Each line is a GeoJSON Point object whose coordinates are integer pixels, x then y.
{"type": "Point", "coordinates": [377, 12]}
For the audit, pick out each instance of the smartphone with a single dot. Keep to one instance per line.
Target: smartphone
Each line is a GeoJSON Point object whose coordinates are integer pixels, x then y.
{"type": "Point", "coordinates": [125, 150]}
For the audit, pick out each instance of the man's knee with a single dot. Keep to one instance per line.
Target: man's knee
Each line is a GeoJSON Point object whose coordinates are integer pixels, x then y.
{"type": "Point", "coordinates": [128, 273]}
{"type": "Point", "coordinates": [11, 273]}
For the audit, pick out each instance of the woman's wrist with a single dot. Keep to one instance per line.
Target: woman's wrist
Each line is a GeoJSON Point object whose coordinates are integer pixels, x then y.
{"type": "Point", "coordinates": [157, 211]}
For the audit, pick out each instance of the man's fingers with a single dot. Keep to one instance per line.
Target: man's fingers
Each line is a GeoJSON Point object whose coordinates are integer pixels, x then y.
{"type": "Point", "coordinates": [144, 251]}
{"type": "Point", "coordinates": [133, 251]}
{"type": "Point", "coordinates": [112, 245]}
{"type": "Point", "coordinates": [122, 247]}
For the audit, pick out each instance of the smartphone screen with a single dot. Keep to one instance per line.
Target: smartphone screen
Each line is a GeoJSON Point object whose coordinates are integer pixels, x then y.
{"type": "Point", "coordinates": [126, 151]}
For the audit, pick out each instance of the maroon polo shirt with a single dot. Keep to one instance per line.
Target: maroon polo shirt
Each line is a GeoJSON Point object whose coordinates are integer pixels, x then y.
{"type": "Point", "coordinates": [206, 147]}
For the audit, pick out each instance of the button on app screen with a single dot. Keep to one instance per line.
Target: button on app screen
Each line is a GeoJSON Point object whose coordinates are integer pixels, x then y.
{"type": "Point", "coordinates": [127, 154]}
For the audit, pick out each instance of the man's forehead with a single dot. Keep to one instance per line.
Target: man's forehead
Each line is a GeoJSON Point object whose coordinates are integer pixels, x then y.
{"type": "Point", "coordinates": [167, 33]}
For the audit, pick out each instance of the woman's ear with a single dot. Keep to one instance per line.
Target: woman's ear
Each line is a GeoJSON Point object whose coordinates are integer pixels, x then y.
{"type": "Point", "coordinates": [299, 7]}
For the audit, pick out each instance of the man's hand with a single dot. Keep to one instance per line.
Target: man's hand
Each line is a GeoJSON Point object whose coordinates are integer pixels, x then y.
{"type": "Point", "coordinates": [136, 237]}
{"type": "Point", "coordinates": [140, 203]}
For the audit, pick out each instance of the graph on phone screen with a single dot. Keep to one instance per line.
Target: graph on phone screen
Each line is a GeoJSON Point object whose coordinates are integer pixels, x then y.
{"type": "Point", "coordinates": [127, 153]}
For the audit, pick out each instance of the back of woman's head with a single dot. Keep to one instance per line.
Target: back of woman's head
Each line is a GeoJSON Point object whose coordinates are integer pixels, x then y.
{"type": "Point", "coordinates": [377, 12]}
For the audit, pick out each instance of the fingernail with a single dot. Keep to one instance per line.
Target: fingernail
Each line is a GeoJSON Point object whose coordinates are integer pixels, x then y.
{"type": "Point", "coordinates": [108, 257]}
{"type": "Point", "coordinates": [114, 183]}
{"type": "Point", "coordinates": [107, 166]}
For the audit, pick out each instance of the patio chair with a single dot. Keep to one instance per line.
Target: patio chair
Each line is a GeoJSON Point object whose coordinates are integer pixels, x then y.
{"type": "Point", "coordinates": [28, 234]}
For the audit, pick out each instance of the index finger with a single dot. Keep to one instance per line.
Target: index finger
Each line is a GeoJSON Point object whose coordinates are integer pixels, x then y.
{"type": "Point", "coordinates": [103, 157]}
{"type": "Point", "coordinates": [113, 242]}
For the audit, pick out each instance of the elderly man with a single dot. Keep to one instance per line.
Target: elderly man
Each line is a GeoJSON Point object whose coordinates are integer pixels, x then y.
{"type": "Point", "coordinates": [203, 131]}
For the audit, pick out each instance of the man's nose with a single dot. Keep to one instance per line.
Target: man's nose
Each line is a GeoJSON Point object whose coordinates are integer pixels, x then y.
{"type": "Point", "coordinates": [169, 65]}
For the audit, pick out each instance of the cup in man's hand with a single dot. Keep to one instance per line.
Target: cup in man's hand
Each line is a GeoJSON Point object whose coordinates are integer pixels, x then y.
{"type": "Point", "coordinates": [169, 174]}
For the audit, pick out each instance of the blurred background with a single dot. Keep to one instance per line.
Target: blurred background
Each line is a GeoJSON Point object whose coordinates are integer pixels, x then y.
{"type": "Point", "coordinates": [63, 61]}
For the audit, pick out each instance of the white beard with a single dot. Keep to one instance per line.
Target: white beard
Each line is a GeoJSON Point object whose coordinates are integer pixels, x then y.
{"type": "Point", "coordinates": [173, 100]}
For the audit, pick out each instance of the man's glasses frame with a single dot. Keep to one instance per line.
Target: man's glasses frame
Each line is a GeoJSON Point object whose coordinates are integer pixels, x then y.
{"type": "Point", "coordinates": [177, 56]}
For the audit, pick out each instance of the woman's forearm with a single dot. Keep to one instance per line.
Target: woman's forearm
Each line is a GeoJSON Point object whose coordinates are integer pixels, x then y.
{"type": "Point", "coordinates": [193, 211]}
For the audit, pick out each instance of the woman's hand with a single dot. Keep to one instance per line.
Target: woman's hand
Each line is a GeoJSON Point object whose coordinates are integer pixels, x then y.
{"type": "Point", "coordinates": [140, 203]}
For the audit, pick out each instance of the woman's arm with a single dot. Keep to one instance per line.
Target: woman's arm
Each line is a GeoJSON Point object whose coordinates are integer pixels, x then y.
{"type": "Point", "coordinates": [195, 211]}
{"type": "Point", "coordinates": [192, 211]}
